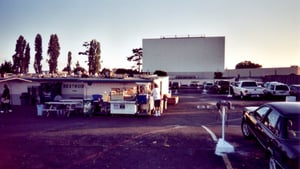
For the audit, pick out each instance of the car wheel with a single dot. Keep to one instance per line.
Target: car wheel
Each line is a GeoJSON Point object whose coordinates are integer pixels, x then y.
{"type": "Point", "coordinates": [272, 163]}
{"type": "Point", "coordinates": [245, 130]}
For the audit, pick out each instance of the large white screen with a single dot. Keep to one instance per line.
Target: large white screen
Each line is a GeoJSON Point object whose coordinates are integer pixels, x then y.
{"type": "Point", "coordinates": [190, 54]}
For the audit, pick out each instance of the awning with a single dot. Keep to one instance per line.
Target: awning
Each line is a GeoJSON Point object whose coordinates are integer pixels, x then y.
{"type": "Point", "coordinates": [15, 79]}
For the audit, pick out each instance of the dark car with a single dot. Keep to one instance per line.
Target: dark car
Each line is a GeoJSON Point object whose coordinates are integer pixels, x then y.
{"type": "Point", "coordinates": [175, 85]}
{"type": "Point", "coordinates": [195, 84]}
{"type": "Point", "coordinates": [276, 126]}
{"type": "Point", "coordinates": [221, 86]}
{"type": "Point", "coordinates": [295, 90]}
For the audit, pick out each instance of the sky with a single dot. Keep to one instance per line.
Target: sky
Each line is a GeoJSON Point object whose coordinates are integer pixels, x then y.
{"type": "Point", "coordinates": [265, 32]}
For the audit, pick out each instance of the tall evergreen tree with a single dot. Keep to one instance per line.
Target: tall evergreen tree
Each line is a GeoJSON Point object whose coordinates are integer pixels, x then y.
{"type": "Point", "coordinates": [38, 55]}
{"type": "Point", "coordinates": [6, 67]}
{"type": "Point", "coordinates": [93, 52]}
{"type": "Point", "coordinates": [136, 57]}
{"type": "Point", "coordinates": [26, 59]}
{"type": "Point", "coordinates": [19, 55]}
{"type": "Point", "coordinates": [97, 58]}
{"type": "Point", "coordinates": [68, 67]}
{"type": "Point", "coordinates": [53, 52]}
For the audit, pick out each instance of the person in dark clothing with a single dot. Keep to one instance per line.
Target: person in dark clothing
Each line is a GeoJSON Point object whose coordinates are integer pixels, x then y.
{"type": "Point", "coordinates": [5, 100]}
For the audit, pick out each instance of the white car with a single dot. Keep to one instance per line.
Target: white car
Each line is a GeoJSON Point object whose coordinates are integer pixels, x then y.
{"type": "Point", "coordinates": [276, 89]}
{"type": "Point", "coordinates": [247, 88]}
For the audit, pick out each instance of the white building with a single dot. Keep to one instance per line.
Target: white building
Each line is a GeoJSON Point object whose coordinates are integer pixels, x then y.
{"type": "Point", "coordinates": [25, 90]}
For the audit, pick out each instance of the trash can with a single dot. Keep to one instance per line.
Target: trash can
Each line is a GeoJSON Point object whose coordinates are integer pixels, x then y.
{"type": "Point", "coordinates": [142, 99]}
{"type": "Point", "coordinates": [290, 98]}
{"type": "Point", "coordinates": [87, 107]}
{"type": "Point", "coordinates": [39, 108]}
{"type": "Point", "coordinates": [97, 97]}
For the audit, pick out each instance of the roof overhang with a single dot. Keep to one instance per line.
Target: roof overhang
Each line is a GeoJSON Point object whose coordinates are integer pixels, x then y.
{"type": "Point", "coordinates": [15, 79]}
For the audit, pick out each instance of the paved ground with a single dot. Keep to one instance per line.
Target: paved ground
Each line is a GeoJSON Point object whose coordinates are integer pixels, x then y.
{"type": "Point", "coordinates": [175, 140]}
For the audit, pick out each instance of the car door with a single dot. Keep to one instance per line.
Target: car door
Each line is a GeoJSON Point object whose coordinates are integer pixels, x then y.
{"type": "Point", "coordinates": [268, 130]}
{"type": "Point", "coordinates": [256, 119]}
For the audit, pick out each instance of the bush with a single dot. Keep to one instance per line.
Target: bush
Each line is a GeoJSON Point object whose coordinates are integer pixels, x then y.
{"type": "Point", "coordinates": [160, 73]}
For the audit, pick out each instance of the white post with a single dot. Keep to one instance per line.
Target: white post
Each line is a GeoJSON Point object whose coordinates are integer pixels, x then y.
{"type": "Point", "coordinates": [229, 93]}
{"type": "Point", "coordinates": [223, 146]}
{"type": "Point", "coordinates": [223, 122]}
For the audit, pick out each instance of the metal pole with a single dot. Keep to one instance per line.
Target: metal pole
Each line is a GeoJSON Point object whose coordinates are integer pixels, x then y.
{"type": "Point", "coordinates": [223, 122]}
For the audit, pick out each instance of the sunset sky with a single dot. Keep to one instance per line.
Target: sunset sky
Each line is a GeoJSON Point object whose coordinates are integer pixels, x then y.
{"type": "Point", "coordinates": [266, 32]}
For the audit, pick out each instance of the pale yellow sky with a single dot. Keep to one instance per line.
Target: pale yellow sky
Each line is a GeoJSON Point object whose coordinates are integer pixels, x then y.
{"type": "Point", "coordinates": [265, 32]}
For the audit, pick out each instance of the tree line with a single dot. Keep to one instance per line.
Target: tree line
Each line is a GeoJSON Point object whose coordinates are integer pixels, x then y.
{"type": "Point", "coordinates": [21, 57]}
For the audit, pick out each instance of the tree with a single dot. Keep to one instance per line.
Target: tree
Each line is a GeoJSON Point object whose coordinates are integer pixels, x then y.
{"type": "Point", "coordinates": [136, 57]}
{"type": "Point", "coordinates": [78, 69]}
{"type": "Point", "coordinates": [93, 52]}
{"type": "Point", "coordinates": [19, 55]}
{"type": "Point", "coordinates": [106, 72]}
{"type": "Point", "coordinates": [26, 59]}
{"type": "Point", "coordinates": [38, 55]}
{"type": "Point", "coordinates": [53, 52]}
{"type": "Point", "coordinates": [6, 67]}
{"type": "Point", "coordinates": [129, 72]}
{"type": "Point", "coordinates": [68, 67]}
{"type": "Point", "coordinates": [160, 73]}
{"type": "Point", "coordinates": [247, 64]}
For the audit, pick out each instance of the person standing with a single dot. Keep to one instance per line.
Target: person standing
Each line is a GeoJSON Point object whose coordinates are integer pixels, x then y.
{"type": "Point", "coordinates": [157, 99]}
{"type": "Point", "coordinates": [5, 100]}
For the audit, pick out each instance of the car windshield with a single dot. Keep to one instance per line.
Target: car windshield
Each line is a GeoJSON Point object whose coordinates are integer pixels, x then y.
{"type": "Point", "coordinates": [282, 87]}
{"type": "Point", "coordinates": [249, 84]}
{"type": "Point", "coordinates": [224, 82]}
{"type": "Point", "coordinates": [293, 128]}
{"type": "Point", "coordinates": [208, 84]}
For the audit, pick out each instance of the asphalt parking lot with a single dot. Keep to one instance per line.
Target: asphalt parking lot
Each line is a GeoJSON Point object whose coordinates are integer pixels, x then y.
{"type": "Point", "coordinates": [178, 139]}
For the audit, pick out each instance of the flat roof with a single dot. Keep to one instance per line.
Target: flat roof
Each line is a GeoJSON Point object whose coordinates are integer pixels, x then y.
{"type": "Point", "coordinates": [93, 80]}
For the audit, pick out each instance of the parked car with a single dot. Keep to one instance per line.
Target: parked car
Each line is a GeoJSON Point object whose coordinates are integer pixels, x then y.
{"type": "Point", "coordinates": [246, 88]}
{"type": "Point", "coordinates": [184, 84]}
{"type": "Point", "coordinates": [276, 126]}
{"type": "Point", "coordinates": [276, 90]}
{"type": "Point", "coordinates": [195, 84]}
{"type": "Point", "coordinates": [175, 85]}
{"type": "Point", "coordinates": [207, 85]}
{"type": "Point", "coordinates": [295, 90]}
{"type": "Point", "coordinates": [221, 86]}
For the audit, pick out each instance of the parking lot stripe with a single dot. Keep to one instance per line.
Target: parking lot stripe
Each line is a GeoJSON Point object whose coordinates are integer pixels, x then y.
{"type": "Point", "coordinates": [227, 162]}
{"type": "Point", "coordinates": [214, 137]}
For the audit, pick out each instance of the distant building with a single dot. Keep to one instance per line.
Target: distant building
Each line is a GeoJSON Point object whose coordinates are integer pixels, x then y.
{"type": "Point", "coordinates": [184, 55]}
{"type": "Point", "coordinates": [288, 75]}
{"type": "Point", "coordinates": [261, 72]}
